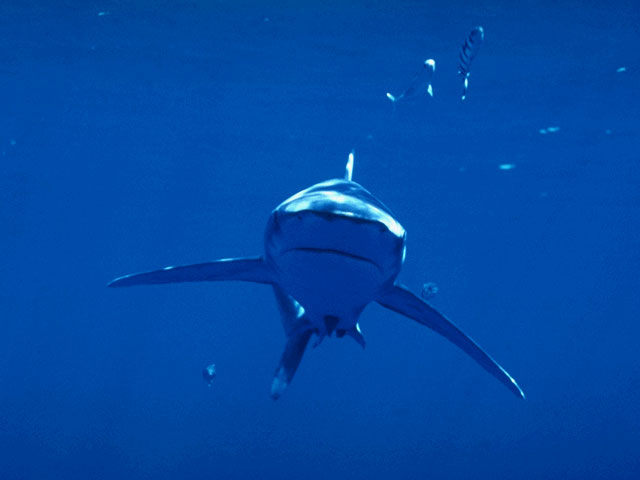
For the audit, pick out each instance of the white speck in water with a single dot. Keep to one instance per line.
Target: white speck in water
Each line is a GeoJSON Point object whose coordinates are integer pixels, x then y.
{"type": "Point", "coordinates": [621, 69]}
{"type": "Point", "coordinates": [506, 166]}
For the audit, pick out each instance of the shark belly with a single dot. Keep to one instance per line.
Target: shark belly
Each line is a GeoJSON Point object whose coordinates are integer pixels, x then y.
{"type": "Point", "coordinates": [329, 284]}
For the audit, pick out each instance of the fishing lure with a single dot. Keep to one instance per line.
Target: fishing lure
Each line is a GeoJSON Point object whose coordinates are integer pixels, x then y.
{"type": "Point", "coordinates": [468, 52]}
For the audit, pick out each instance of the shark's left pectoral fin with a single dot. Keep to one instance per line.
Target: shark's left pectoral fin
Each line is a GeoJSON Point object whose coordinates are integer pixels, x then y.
{"type": "Point", "coordinates": [403, 301]}
{"type": "Point", "coordinates": [243, 269]}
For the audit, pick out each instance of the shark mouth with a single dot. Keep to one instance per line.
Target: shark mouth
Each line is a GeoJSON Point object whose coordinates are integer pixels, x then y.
{"type": "Point", "coordinates": [335, 252]}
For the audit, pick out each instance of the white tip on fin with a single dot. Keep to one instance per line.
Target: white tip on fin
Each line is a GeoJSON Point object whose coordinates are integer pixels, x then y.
{"type": "Point", "coordinates": [348, 171]}
{"type": "Point", "coordinates": [430, 64]}
{"type": "Point", "coordinates": [279, 384]}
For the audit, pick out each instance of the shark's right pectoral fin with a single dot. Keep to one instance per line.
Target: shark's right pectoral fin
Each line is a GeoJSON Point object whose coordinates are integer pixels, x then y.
{"type": "Point", "coordinates": [403, 301]}
{"type": "Point", "coordinates": [293, 351]}
{"type": "Point", "coordinates": [243, 269]}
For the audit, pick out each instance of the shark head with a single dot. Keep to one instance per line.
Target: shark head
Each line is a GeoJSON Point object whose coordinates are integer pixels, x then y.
{"type": "Point", "coordinates": [334, 246]}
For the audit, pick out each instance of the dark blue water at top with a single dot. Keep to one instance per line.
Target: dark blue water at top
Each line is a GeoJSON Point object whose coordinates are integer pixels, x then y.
{"type": "Point", "coordinates": [135, 135]}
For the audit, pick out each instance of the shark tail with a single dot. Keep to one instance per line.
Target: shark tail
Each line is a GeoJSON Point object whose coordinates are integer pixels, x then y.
{"type": "Point", "coordinates": [293, 351]}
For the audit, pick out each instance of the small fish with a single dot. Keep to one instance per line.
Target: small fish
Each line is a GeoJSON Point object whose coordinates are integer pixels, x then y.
{"type": "Point", "coordinates": [421, 81]}
{"type": "Point", "coordinates": [209, 373]}
{"type": "Point", "coordinates": [468, 52]}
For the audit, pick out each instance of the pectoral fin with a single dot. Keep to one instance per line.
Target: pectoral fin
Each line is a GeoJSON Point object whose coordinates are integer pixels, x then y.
{"type": "Point", "coordinates": [243, 269]}
{"type": "Point", "coordinates": [402, 301]}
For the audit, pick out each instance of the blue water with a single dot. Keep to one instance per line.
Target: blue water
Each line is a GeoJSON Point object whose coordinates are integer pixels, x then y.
{"type": "Point", "coordinates": [164, 132]}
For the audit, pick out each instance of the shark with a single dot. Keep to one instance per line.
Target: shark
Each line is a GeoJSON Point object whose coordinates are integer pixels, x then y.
{"type": "Point", "coordinates": [329, 251]}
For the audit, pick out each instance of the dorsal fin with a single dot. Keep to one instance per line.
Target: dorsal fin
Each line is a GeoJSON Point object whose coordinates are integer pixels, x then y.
{"type": "Point", "coordinates": [348, 171]}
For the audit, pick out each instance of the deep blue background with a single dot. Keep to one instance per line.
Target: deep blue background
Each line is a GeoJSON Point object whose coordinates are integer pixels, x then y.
{"type": "Point", "coordinates": [164, 132]}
